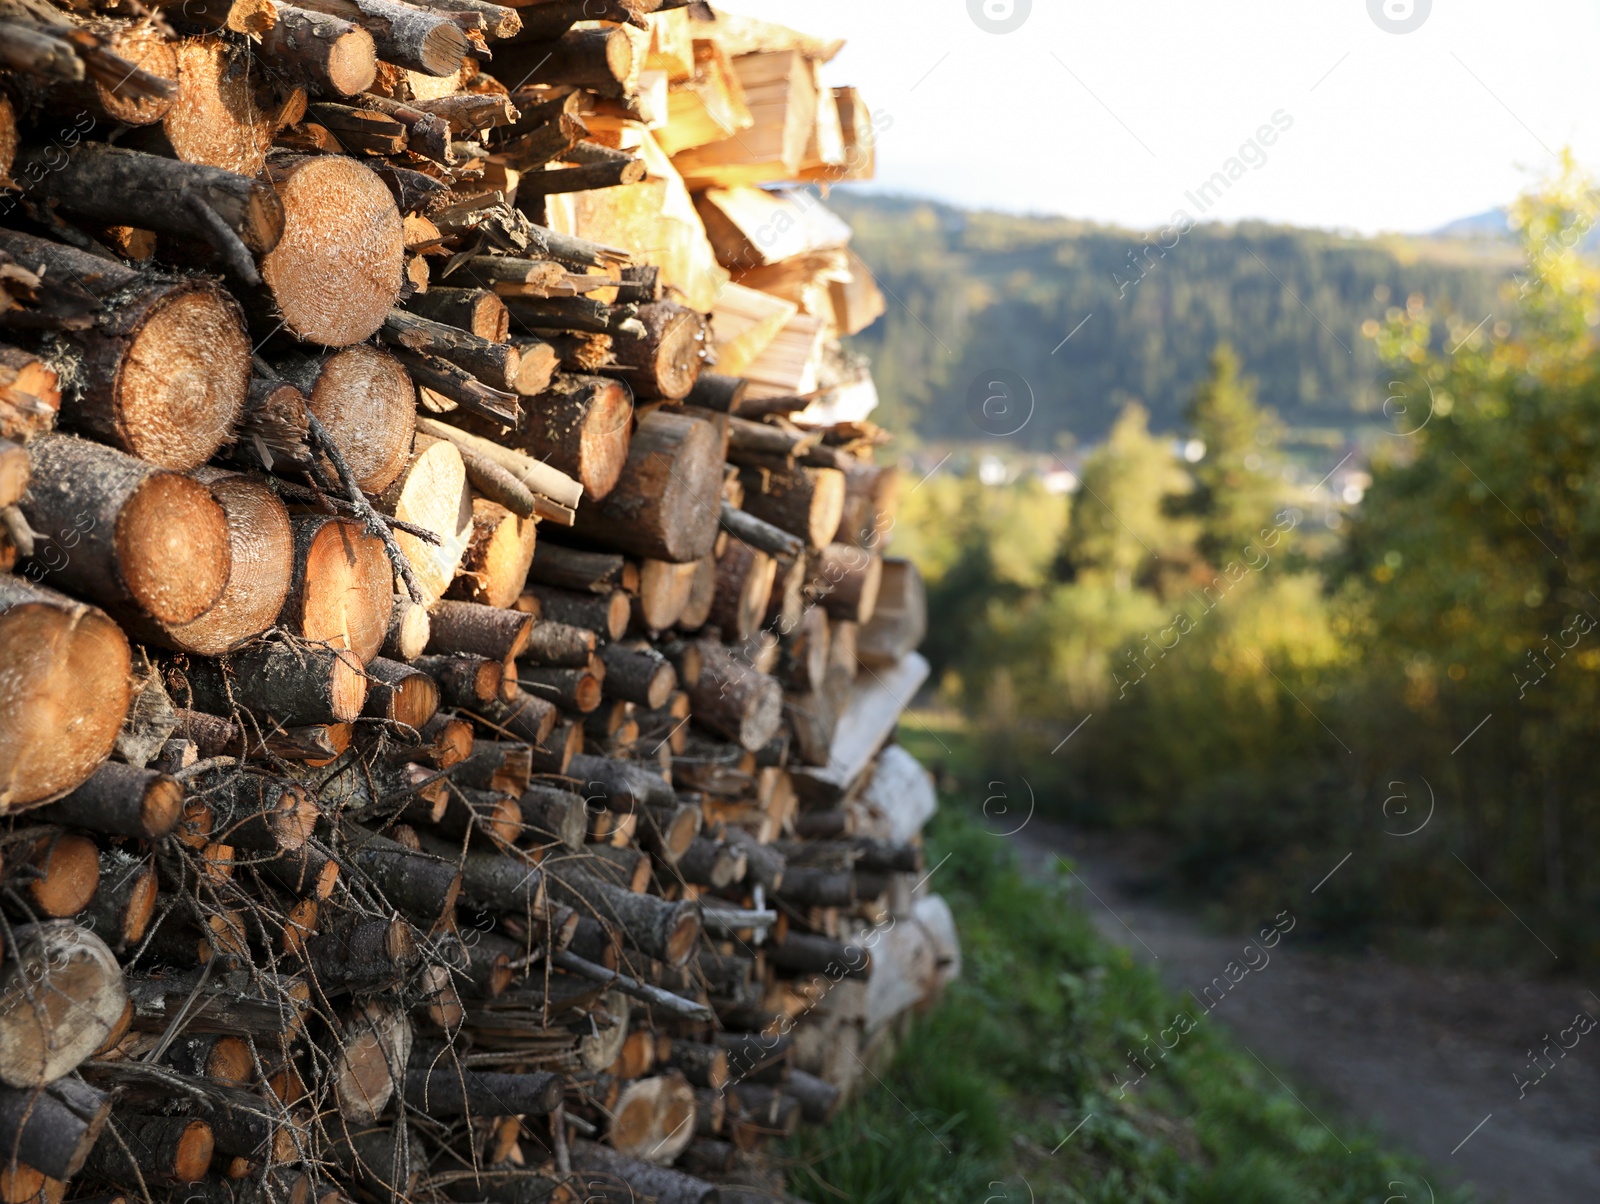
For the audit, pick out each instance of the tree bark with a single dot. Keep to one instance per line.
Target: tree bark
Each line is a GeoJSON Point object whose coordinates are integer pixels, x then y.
{"type": "Point", "coordinates": [476, 310]}
{"type": "Point", "coordinates": [367, 404]}
{"type": "Point", "coordinates": [281, 683]}
{"type": "Point", "coordinates": [572, 689]}
{"type": "Point", "coordinates": [410, 36]}
{"type": "Point", "coordinates": [744, 587]}
{"type": "Point", "coordinates": [666, 504]}
{"type": "Point", "coordinates": [559, 645]}
{"type": "Point", "coordinates": [330, 55]}
{"type": "Point", "coordinates": [665, 362]}
{"type": "Point", "coordinates": [845, 581]}
{"type": "Point", "coordinates": [523, 718]}
{"type": "Point", "coordinates": [713, 391]}
{"type": "Point", "coordinates": [168, 1149]}
{"type": "Point", "coordinates": [759, 533]}
{"type": "Point", "coordinates": [606, 614]}
{"type": "Point", "coordinates": [639, 675]}
{"type": "Point", "coordinates": [448, 1092]}
{"type": "Point", "coordinates": [54, 1129]}
{"type": "Point", "coordinates": [598, 1168]}
{"type": "Point", "coordinates": [467, 628]}
{"type": "Point", "coordinates": [557, 814]}
{"type": "Point", "coordinates": [663, 595]}
{"type": "Point", "coordinates": [494, 363]}
{"type": "Point", "coordinates": [599, 60]}
{"type": "Point", "coordinates": [806, 502]}
{"type": "Point", "coordinates": [734, 700]}
{"type": "Point", "coordinates": [464, 681]}
{"type": "Point", "coordinates": [122, 800]}
{"type": "Point", "coordinates": [123, 533]}
{"type": "Point", "coordinates": [665, 931]}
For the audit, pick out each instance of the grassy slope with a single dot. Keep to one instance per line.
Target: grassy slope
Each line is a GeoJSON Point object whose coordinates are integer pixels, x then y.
{"type": "Point", "coordinates": [1034, 1039]}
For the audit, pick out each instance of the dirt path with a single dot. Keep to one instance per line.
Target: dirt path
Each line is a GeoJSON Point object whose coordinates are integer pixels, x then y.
{"type": "Point", "coordinates": [1426, 1055]}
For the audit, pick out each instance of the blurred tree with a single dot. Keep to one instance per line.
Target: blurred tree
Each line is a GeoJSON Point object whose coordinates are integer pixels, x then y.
{"type": "Point", "coordinates": [1237, 483]}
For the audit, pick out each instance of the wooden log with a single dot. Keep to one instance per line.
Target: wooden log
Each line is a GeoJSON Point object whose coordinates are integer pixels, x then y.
{"type": "Point", "coordinates": [124, 901]}
{"type": "Point", "coordinates": [467, 628]}
{"type": "Point", "coordinates": [268, 1006]}
{"type": "Point", "coordinates": [330, 55]}
{"type": "Point", "coordinates": [30, 396]}
{"type": "Point", "coordinates": [572, 689]}
{"type": "Point", "coordinates": [599, 60]}
{"type": "Point", "coordinates": [216, 119]}
{"type": "Point", "coordinates": [166, 1149]}
{"type": "Point", "coordinates": [377, 1162]}
{"type": "Point", "coordinates": [494, 363]}
{"type": "Point", "coordinates": [669, 831]}
{"type": "Point", "coordinates": [283, 683]}
{"type": "Point", "coordinates": [400, 693]}
{"type": "Point", "coordinates": [845, 581]}
{"type": "Point", "coordinates": [141, 48]}
{"type": "Point", "coordinates": [524, 717]}
{"type": "Point", "coordinates": [123, 533]}
{"type": "Point", "coordinates": [556, 814]}
{"type": "Point", "coordinates": [261, 564]}
{"type": "Point", "coordinates": [696, 612]}
{"type": "Point", "coordinates": [368, 1061]}
{"type": "Point", "coordinates": [609, 174]}
{"type": "Point", "coordinates": [665, 361]}
{"type": "Point", "coordinates": [734, 700]}
{"type": "Point", "coordinates": [464, 681]}
{"type": "Point", "coordinates": [366, 402]}
{"type": "Point", "coordinates": [274, 431]}
{"type": "Point", "coordinates": [409, 630]}
{"type": "Point", "coordinates": [498, 554]}
{"type": "Point", "coordinates": [342, 589]}
{"type": "Point", "coordinates": [61, 995]}
{"type": "Point", "coordinates": [787, 604]}
{"type": "Point", "coordinates": [807, 953]}
{"type": "Point", "coordinates": [663, 596]}
{"type": "Point", "coordinates": [64, 683]}
{"type": "Point", "coordinates": [122, 800]}
{"type": "Point", "coordinates": [666, 503]}
{"type": "Point", "coordinates": [653, 1119]}
{"type": "Point", "coordinates": [667, 726]}
{"type": "Point", "coordinates": [604, 614]}
{"type": "Point", "coordinates": [628, 868]}
{"type": "Point", "coordinates": [899, 619]}
{"type": "Point", "coordinates": [559, 645]}
{"type": "Point", "coordinates": [431, 493]}
{"type": "Point", "coordinates": [744, 587]}
{"type": "Point", "coordinates": [493, 881]}
{"type": "Point", "coordinates": [161, 374]}
{"type": "Point", "coordinates": [405, 34]}
{"type": "Point", "coordinates": [806, 502]}
{"type": "Point", "coordinates": [758, 533]}
{"type": "Point", "coordinates": [185, 200]}
{"type": "Point", "coordinates": [57, 871]}
{"type": "Point", "coordinates": [476, 310]}
{"type": "Point", "coordinates": [549, 483]}
{"type": "Point", "coordinates": [623, 785]}
{"type": "Point", "coordinates": [449, 1092]}
{"type": "Point", "coordinates": [702, 1065]}
{"type": "Point", "coordinates": [540, 359]}
{"type": "Point", "coordinates": [714, 391]}
{"type": "Point", "coordinates": [52, 1130]}
{"type": "Point", "coordinates": [582, 426]}
{"type": "Point", "coordinates": [337, 271]}
{"type": "Point", "coordinates": [639, 674]}
{"type": "Point", "coordinates": [502, 766]}
{"type": "Point", "coordinates": [417, 884]}
{"type": "Point", "coordinates": [598, 1168]}
{"type": "Point", "coordinates": [712, 863]}
{"type": "Point", "coordinates": [362, 954]}
{"type": "Point", "coordinates": [537, 314]}
{"type": "Point", "coordinates": [587, 572]}
{"type": "Point", "coordinates": [662, 930]}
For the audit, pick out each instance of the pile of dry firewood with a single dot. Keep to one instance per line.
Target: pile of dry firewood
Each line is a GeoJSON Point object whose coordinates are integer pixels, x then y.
{"type": "Point", "coordinates": [448, 660]}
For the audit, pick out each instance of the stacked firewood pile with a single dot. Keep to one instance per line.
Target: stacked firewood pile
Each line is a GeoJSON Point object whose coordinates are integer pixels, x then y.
{"type": "Point", "coordinates": [447, 654]}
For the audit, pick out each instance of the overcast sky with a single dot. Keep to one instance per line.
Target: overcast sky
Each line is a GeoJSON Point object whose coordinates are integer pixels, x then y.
{"type": "Point", "coordinates": [1114, 110]}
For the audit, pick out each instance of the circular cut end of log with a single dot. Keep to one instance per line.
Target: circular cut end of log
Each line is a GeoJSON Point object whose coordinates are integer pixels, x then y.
{"type": "Point", "coordinates": [762, 717]}
{"type": "Point", "coordinates": [193, 1153]}
{"type": "Point", "coordinates": [351, 62]}
{"type": "Point", "coordinates": [185, 377]}
{"type": "Point", "coordinates": [349, 591]}
{"type": "Point", "coordinates": [261, 546]}
{"type": "Point", "coordinates": [827, 505]}
{"type": "Point", "coordinates": [162, 805]}
{"type": "Point", "coordinates": [587, 693]}
{"type": "Point", "coordinates": [368, 404]}
{"type": "Point", "coordinates": [431, 493]}
{"type": "Point", "coordinates": [348, 688]}
{"type": "Point", "coordinates": [20, 1182]}
{"type": "Point", "coordinates": [141, 908]}
{"type": "Point", "coordinates": [60, 998]}
{"type": "Point", "coordinates": [683, 934]}
{"type": "Point", "coordinates": [64, 689]}
{"type": "Point", "coordinates": [414, 700]}
{"type": "Point", "coordinates": [603, 450]}
{"type": "Point", "coordinates": [677, 361]}
{"type": "Point", "coordinates": [453, 743]}
{"type": "Point", "coordinates": [442, 50]}
{"type": "Point", "coordinates": [230, 1062]}
{"type": "Point", "coordinates": [215, 119]}
{"type": "Point", "coordinates": [144, 47]}
{"type": "Point", "coordinates": [294, 815]}
{"type": "Point", "coordinates": [173, 550]}
{"type": "Point", "coordinates": [67, 870]}
{"type": "Point", "coordinates": [618, 609]}
{"type": "Point", "coordinates": [338, 270]}
{"type": "Point", "coordinates": [409, 630]}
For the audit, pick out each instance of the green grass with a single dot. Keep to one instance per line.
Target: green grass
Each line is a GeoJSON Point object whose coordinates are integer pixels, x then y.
{"type": "Point", "coordinates": [1028, 1047]}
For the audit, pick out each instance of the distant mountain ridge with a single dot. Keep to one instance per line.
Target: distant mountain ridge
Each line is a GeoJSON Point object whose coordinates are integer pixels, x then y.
{"type": "Point", "coordinates": [1092, 316]}
{"type": "Point", "coordinates": [1492, 223]}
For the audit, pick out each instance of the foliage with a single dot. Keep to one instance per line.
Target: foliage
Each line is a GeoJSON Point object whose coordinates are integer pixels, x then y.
{"type": "Point", "coordinates": [985, 1100]}
{"type": "Point", "coordinates": [973, 292]}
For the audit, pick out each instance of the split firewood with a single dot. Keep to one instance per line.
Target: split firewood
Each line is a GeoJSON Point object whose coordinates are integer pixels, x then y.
{"type": "Point", "coordinates": [498, 555]}
{"type": "Point", "coordinates": [341, 592]}
{"type": "Point", "coordinates": [162, 374]}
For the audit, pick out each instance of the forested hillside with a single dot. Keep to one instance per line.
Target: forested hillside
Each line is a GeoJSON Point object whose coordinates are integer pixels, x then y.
{"type": "Point", "coordinates": [972, 292]}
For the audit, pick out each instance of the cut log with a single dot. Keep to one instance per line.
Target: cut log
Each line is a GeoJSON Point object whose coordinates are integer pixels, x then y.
{"type": "Point", "coordinates": [448, 1092]}
{"type": "Point", "coordinates": [58, 872]}
{"type": "Point", "coordinates": [342, 590]}
{"type": "Point", "coordinates": [61, 995]}
{"type": "Point", "coordinates": [166, 1149]}
{"type": "Point", "coordinates": [555, 814]}
{"type": "Point", "coordinates": [328, 54]}
{"type": "Point", "coordinates": [431, 493]}
{"type": "Point", "coordinates": [702, 1065]}
{"type": "Point", "coordinates": [666, 504]}
{"type": "Point", "coordinates": [788, 600]}
{"type": "Point", "coordinates": [400, 693]}
{"type": "Point", "coordinates": [624, 786]}
{"type": "Point", "coordinates": [337, 271]}
{"type": "Point", "coordinates": [123, 533]}
{"type": "Point", "coordinates": [653, 1119]}
{"type": "Point", "coordinates": [464, 681]}
{"type": "Point", "coordinates": [367, 404]}
{"type": "Point", "coordinates": [419, 885]}
{"type": "Point", "coordinates": [712, 863]}
{"type": "Point", "coordinates": [163, 373]}
{"type": "Point", "coordinates": [405, 34]}
{"type": "Point", "coordinates": [899, 620]}
{"type": "Point", "coordinates": [713, 391]}
{"type": "Point", "coordinates": [598, 1169]}
{"type": "Point", "coordinates": [599, 60]}
{"type": "Point", "coordinates": [524, 717]}
{"type": "Point", "coordinates": [477, 310]}
{"type": "Point", "coordinates": [664, 592]}
{"type": "Point", "coordinates": [369, 1060]}
{"type": "Point", "coordinates": [54, 1129]}
{"type": "Point", "coordinates": [561, 490]}
{"type": "Point", "coordinates": [284, 683]}
{"type": "Point", "coordinates": [758, 533]}
{"type": "Point", "coordinates": [803, 661]}
{"type": "Point", "coordinates": [125, 900]}
{"type": "Point", "coordinates": [845, 581]}
{"type": "Point", "coordinates": [806, 502]}
{"type": "Point", "coordinates": [572, 689]}
{"type": "Point", "coordinates": [498, 556]}
{"type": "Point", "coordinates": [466, 628]}
{"type": "Point", "coordinates": [735, 701]}
{"type": "Point", "coordinates": [122, 800]}
{"type": "Point", "coordinates": [665, 361]}
{"type": "Point", "coordinates": [665, 931]}
{"type": "Point", "coordinates": [409, 630]}
{"type": "Point", "coordinates": [64, 682]}
{"type": "Point", "coordinates": [574, 569]}
{"type": "Point", "coordinates": [559, 645]}
{"type": "Point", "coordinates": [274, 431]}
{"type": "Point", "coordinates": [495, 364]}
{"type": "Point", "coordinates": [638, 674]}
{"type": "Point", "coordinates": [216, 119]}
{"type": "Point", "coordinates": [744, 587]}
{"type": "Point", "coordinates": [605, 614]}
